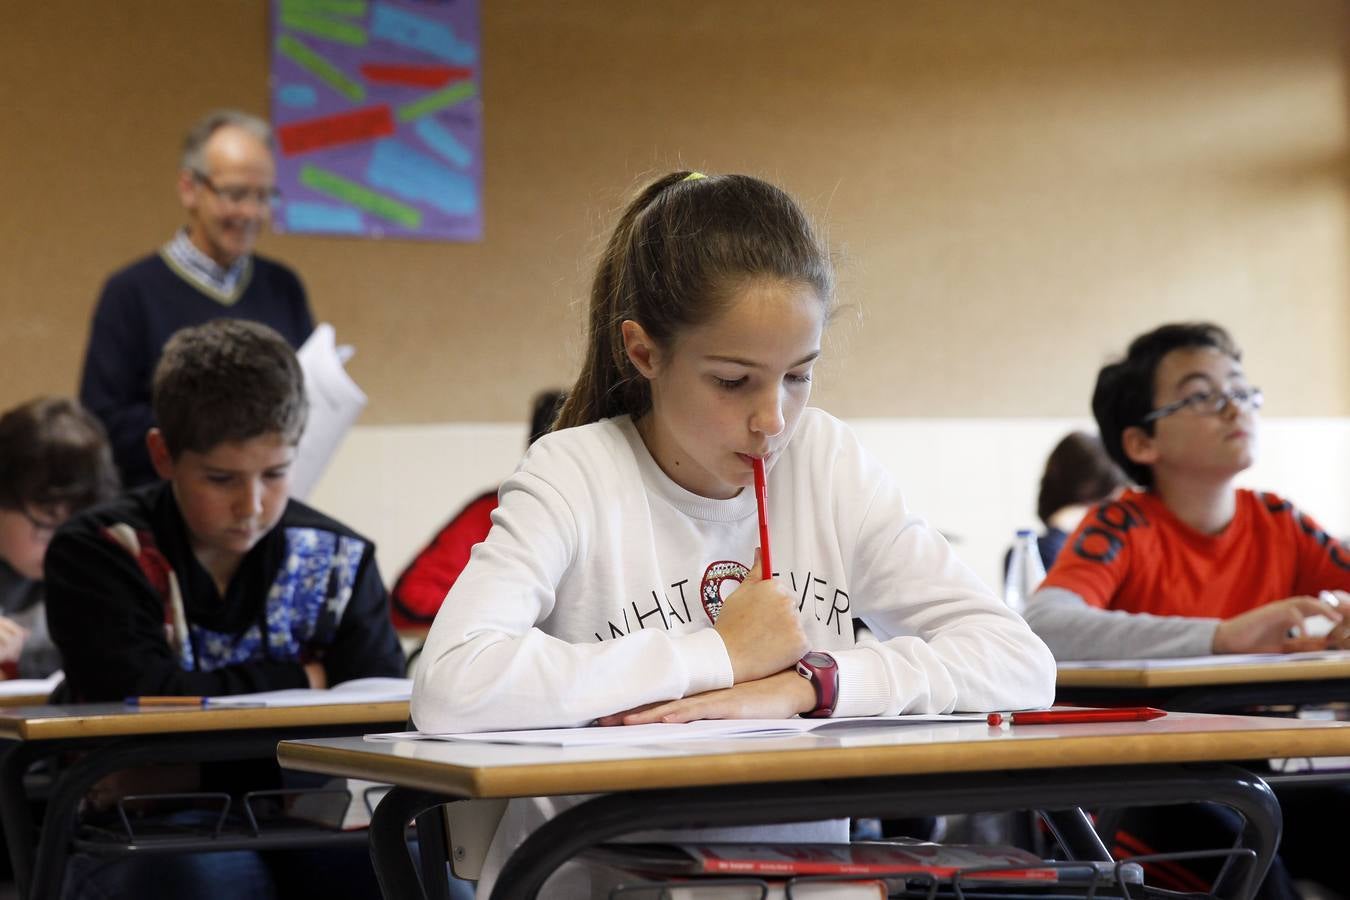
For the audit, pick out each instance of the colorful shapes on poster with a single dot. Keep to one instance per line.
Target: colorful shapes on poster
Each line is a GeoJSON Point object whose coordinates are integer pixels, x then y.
{"type": "Point", "coordinates": [418, 32]}
{"type": "Point", "coordinates": [377, 108]}
{"type": "Point", "coordinates": [325, 28]}
{"type": "Point", "coordinates": [407, 173]}
{"type": "Point", "coordinates": [455, 93]}
{"type": "Point", "coordinates": [317, 65]}
{"type": "Point", "coordinates": [297, 96]}
{"type": "Point", "coordinates": [332, 131]}
{"type": "Point", "coordinates": [347, 8]}
{"type": "Point", "coordinates": [414, 76]}
{"type": "Point", "coordinates": [360, 196]}
{"type": "Point", "coordinates": [442, 140]}
{"type": "Point", "coordinates": [303, 215]}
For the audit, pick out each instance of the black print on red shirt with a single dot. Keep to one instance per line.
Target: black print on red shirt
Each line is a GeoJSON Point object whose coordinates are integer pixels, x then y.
{"type": "Point", "coordinates": [1103, 539]}
{"type": "Point", "coordinates": [1337, 551]}
{"type": "Point", "coordinates": [1275, 504]}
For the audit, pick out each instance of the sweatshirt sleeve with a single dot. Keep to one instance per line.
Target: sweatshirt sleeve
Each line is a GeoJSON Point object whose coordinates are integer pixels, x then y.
{"type": "Point", "coordinates": [108, 622]}
{"type": "Point", "coordinates": [942, 641]}
{"type": "Point", "coordinates": [1074, 630]}
{"type": "Point", "coordinates": [365, 645]}
{"type": "Point", "coordinates": [487, 665]}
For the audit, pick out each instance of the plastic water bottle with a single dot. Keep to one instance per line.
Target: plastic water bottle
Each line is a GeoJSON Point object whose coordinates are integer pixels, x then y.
{"type": "Point", "coordinates": [1025, 571]}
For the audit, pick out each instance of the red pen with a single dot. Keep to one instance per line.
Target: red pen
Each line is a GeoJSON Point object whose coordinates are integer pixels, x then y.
{"type": "Point", "coordinates": [762, 500]}
{"type": "Point", "coordinates": [1067, 715]}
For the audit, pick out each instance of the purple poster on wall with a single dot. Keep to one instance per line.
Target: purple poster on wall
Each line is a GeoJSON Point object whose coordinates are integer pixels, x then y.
{"type": "Point", "coordinates": [378, 118]}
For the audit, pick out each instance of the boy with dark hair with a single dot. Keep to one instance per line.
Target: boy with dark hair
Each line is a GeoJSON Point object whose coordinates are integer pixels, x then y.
{"type": "Point", "coordinates": [1188, 565]}
{"type": "Point", "coordinates": [214, 581]}
{"type": "Point", "coordinates": [54, 461]}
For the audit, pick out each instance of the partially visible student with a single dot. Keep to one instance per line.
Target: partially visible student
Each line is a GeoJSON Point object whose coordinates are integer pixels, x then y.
{"type": "Point", "coordinates": [1078, 475]}
{"type": "Point", "coordinates": [621, 583]}
{"type": "Point", "coordinates": [422, 586]}
{"type": "Point", "coordinates": [213, 582]}
{"type": "Point", "coordinates": [54, 461]}
{"type": "Point", "coordinates": [1189, 564]}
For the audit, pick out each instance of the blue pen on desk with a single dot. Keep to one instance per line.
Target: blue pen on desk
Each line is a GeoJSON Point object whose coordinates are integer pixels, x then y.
{"type": "Point", "coordinates": [166, 701]}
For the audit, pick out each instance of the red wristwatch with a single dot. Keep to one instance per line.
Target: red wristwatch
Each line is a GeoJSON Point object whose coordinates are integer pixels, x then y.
{"type": "Point", "coordinates": [819, 668]}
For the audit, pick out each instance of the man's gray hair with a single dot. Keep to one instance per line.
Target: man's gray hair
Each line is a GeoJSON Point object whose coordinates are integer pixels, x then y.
{"type": "Point", "coordinates": [194, 158]}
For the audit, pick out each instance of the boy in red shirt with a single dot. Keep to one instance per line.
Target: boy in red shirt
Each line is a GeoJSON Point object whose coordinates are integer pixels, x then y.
{"type": "Point", "coordinates": [1188, 564]}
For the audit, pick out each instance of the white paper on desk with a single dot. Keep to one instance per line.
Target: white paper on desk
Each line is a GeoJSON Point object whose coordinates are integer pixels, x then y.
{"type": "Point", "coordinates": [334, 403]}
{"type": "Point", "coordinates": [27, 687]}
{"type": "Point", "coordinates": [360, 690]}
{"type": "Point", "coordinates": [665, 732]}
{"type": "Point", "coordinates": [1204, 662]}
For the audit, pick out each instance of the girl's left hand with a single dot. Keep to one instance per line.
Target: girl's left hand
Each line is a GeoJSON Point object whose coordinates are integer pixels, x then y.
{"type": "Point", "coordinates": [780, 696]}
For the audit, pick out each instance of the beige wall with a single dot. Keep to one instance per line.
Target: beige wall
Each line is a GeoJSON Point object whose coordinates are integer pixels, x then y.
{"type": "Point", "coordinates": [1014, 187]}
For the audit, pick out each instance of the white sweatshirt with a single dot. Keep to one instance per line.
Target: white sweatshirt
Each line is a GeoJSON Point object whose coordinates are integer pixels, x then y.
{"type": "Point", "coordinates": [591, 595]}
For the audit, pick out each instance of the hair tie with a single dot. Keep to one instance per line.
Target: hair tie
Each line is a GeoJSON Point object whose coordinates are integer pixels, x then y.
{"type": "Point", "coordinates": [694, 176]}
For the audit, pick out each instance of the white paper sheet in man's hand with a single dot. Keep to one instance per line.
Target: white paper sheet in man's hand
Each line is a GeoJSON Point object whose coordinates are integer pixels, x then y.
{"type": "Point", "coordinates": [335, 401]}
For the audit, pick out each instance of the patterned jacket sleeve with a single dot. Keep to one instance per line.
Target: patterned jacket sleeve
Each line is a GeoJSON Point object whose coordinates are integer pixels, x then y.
{"type": "Point", "coordinates": [109, 623]}
{"type": "Point", "coordinates": [365, 645]}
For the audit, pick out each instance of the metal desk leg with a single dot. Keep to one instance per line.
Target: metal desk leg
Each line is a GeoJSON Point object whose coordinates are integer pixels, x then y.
{"type": "Point", "coordinates": [611, 815]}
{"type": "Point", "coordinates": [58, 825]}
{"type": "Point", "coordinates": [394, 867]}
{"type": "Point", "coordinates": [432, 851]}
{"type": "Point", "coordinates": [1074, 831]}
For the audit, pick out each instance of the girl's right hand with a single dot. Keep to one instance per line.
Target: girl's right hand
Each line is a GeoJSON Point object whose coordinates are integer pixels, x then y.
{"type": "Point", "coordinates": [760, 628]}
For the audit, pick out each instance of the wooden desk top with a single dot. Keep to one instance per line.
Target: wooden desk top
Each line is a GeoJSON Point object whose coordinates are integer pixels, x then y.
{"type": "Point", "coordinates": [1209, 671]}
{"type": "Point", "coordinates": [33, 723]}
{"type": "Point", "coordinates": [503, 770]}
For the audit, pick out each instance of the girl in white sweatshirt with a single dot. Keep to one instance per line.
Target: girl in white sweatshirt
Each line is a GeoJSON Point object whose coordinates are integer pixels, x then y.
{"type": "Point", "coordinates": [620, 582]}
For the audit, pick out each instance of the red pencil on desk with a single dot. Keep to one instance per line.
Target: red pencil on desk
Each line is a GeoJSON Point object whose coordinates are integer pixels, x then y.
{"type": "Point", "coordinates": [1065, 716]}
{"type": "Point", "coordinates": [762, 500]}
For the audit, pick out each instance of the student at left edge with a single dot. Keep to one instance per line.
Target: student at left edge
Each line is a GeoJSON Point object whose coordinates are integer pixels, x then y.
{"type": "Point", "coordinates": [213, 581]}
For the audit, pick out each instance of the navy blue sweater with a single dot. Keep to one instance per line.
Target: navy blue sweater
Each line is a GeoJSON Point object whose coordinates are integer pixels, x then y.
{"type": "Point", "coordinates": [139, 310]}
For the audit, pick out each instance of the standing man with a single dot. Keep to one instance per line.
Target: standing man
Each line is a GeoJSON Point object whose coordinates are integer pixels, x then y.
{"type": "Point", "coordinates": [226, 183]}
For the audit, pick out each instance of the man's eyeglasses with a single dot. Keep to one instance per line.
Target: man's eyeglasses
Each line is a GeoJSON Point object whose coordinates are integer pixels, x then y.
{"type": "Point", "coordinates": [238, 195]}
{"type": "Point", "coordinates": [1210, 403]}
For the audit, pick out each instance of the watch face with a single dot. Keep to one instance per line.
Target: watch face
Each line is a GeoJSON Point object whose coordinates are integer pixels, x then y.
{"type": "Point", "coordinates": [818, 659]}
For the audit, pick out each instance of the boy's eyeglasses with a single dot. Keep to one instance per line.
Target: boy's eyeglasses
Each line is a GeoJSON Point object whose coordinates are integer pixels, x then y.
{"type": "Point", "coordinates": [238, 195]}
{"type": "Point", "coordinates": [43, 528]}
{"type": "Point", "coordinates": [1210, 403]}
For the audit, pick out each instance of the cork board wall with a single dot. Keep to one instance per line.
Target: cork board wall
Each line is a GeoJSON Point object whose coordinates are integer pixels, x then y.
{"type": "Point", "coordinates": [1013, 189]}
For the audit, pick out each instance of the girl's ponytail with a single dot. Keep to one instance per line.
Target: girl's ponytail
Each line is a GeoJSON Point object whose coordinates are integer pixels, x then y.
{"type": "Point", "coordinates": [608, 384]}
